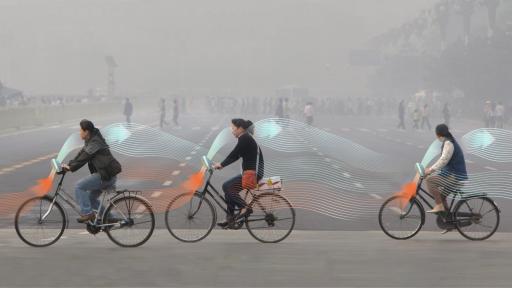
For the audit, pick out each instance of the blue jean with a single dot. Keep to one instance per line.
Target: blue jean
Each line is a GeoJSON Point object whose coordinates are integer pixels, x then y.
{"type": "Point", "coordinates": [88, 190]}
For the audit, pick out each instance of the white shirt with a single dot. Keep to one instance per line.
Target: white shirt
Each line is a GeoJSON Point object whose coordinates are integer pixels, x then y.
{"type": "Point", "coordinates": [308, 111]}
{"type": "Point", "coordinates": [447, 154]}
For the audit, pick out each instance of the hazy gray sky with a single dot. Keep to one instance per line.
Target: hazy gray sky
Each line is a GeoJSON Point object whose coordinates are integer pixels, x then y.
{"type": "Point", "coordinates": [58, 46]}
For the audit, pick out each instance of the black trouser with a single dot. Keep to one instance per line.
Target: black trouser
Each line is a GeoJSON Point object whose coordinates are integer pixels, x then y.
{"type": "Point", "coordinates": [402, 123]}
{"type": "Point", "coordinates": [232, 188]}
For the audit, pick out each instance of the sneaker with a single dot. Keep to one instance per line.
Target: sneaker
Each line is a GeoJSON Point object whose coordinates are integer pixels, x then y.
{"type": "Point", "coordinates": [86, 218]}
{"type": "Point", "coordinates": [445, 231]}
{"type": "Point", "coordinates": [245, 214]}
{"type": "Point", "coordinates": [437, 209]}
{"type": "Point", "coordinates": [228, 223]}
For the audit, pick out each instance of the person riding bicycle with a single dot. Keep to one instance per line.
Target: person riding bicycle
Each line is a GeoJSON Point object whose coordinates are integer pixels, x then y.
{"type": "Point", "coordinates": [252, 160]}
{"type": "Point", "coordinates": [450, 168]}
{"type": "Point", "coordinates": [102, 165]}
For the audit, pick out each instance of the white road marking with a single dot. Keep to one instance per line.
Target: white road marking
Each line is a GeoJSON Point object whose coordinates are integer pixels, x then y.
{"type": "Point", "coordinates": [196, 128]}
{"type": "Point", "coordinates": [140, 209]}
{"type": "Point", "coordinates": [346, 129]}
{"type": "Point", "coordinates": [335, 166]}
{"type": "Point", "coordinates": [83, 233]}
{"type": "Point", "coordinates": [167, 183]}
{"type": "Point", "coordinates": [156, 194]}
{"type": "Point", "coordinates": [175, 172]}
{"type": "Point", "coordinates": [490, 168]}
{"type": "Point", "coordinates": [363, 129]}
{"type": "Point", "coordinates": [193, 152]}
{"type": "Point", "coordinates": [359, 185]}
{"type": "Point", "coordinates": [375, 196]}
{"type": "Point", "coordinates": [183, 164]}
{"type": "Point", "coordinates": [469, 161]}
{"type": "Point", "coordinates": [346, 175]}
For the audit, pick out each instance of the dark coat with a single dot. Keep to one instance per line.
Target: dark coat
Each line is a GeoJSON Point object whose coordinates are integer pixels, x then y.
{"type": "Point", "coordinates": [97, 155]}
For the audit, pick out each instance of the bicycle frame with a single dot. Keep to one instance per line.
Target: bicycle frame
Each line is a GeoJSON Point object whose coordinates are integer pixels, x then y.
{"type": "Point", "coordinates": [419, 195]}
{"type": "Point", "coordinates": [60, 193]}
{"type": "Point", "coordinates": [216, 194]}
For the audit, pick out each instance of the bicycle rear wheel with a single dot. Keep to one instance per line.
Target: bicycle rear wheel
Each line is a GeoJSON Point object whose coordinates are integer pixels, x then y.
{"type": "Point", "coordinates": [477, 218]}
{"type": "Point", "coordinates": [130, 221]}
{"type": "Point", "coordinates": [400, 218]}
{"type": "Point", "coordinates": [190, 218]}
{"type": "Point", "coordinates": [273, 218]}
{"type": "Point", "coordinates": [40, 223]}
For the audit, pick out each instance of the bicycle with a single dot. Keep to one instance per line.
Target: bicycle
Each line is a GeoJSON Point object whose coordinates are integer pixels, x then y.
{"type": "Point", "coordinates": [272, 220]}
{"type": "Point", "coordinates": [128, 219]}
{"type": "Point", "coordinates": [465, 214]}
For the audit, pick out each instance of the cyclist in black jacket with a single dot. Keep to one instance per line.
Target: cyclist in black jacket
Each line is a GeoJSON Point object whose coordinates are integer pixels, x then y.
{"type": "Point", "coordinates": [249, 151]}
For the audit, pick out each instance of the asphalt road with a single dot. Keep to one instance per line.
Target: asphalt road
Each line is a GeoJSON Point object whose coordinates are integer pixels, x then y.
{"type": "Point", "coordinates": [234, 259]}
{"type": "Point", "coordinates": [340, 252]}
{"type": "Point", "coordinates": [26, 154]}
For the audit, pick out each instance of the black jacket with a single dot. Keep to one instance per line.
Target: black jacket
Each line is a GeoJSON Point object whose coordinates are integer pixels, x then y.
{"type": "Point", "coordinates": [247, 149]}
{"type": "Point", "coordinates": [96, 154]}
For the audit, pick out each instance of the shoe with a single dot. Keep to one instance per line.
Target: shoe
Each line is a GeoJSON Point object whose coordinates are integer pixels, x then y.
{"type": "Point", "coordinates": [437, 209]}
{"type": "Point", "coordinates": [86, 218]}
{"type": "Point", "coordinates": [445, 231]}
{"type": "Point", "coordinates": [245, 214]}
{"type": "Point", "coordinates": [228, 223]}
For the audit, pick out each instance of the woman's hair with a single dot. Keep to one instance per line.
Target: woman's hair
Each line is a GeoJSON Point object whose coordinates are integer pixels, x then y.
{"type": "Point", "coordinates": [246, 124]}
{"type": "Point", "coordinates": [87, 125]}
{"type": "Point", "coordinates": [442, 131]}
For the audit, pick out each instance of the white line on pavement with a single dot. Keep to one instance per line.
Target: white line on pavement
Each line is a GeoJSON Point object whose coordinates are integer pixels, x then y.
{"type": "Point", "coordinates": [167, 183]}
{"type": "Point", "coordinates": [156, 194]}
{"type": "Point", "coordinates": [375, 196]}
{"type": "Point", "coordinates": [175, 172]}
{"type": "Point", "coordinates": [490, 168]}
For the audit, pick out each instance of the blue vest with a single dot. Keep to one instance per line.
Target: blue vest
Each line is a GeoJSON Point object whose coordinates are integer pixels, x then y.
{"type": "Point", "coordinates": [457, 165]}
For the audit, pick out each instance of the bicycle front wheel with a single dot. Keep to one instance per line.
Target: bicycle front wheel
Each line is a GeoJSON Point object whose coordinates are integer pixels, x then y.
{"type": "Point", "coordinates": [190, 218]}
{"type": "Point", "coordinates": [400, 218]}
{"type": "Point", "coordinates": [477, 218]}
{"type": "Point", "coordinates": [129, 221]}
{"type": "Point", "coordinates": [40, 221]}
{"type": "Point", "coordinates": [273, 218]}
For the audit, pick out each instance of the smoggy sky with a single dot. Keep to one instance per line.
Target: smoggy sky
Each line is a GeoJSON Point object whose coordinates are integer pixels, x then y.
{"type": "Point", "coordinates": [250, 47]}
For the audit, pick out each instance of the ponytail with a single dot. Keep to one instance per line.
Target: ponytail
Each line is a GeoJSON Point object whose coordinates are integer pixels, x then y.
{"type": "Point", "coordinates": [443, 131]}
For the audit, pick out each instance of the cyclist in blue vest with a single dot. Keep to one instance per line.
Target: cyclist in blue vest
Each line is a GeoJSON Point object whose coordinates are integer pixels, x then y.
{"type": "Point", "coordinates": [448, 171]}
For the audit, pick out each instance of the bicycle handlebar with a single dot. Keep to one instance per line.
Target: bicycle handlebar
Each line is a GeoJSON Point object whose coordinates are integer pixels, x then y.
{"type": "Point", "coordinates": [62, 172]}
